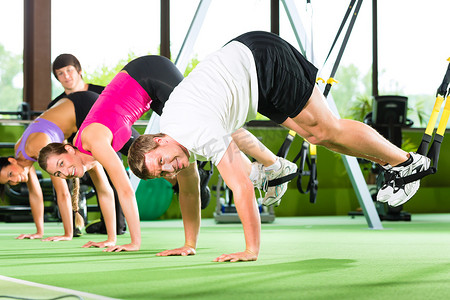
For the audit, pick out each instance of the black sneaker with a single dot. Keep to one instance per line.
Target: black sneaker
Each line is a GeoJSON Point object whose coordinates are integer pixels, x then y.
{"type": "Point", "coordinates": [99, 227]}
{"type": "Point", "coordinates": [122, 231]}
{"type": "Point", "coordinates": [77, 232]}
{"type": "Point", "coordinates": [96, 227]}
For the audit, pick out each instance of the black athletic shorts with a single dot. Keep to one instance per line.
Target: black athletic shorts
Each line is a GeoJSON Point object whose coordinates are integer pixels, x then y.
{"type": "Point", "coordinates": [285, 78]}
{"type": "Point", "coordinates": [157, 75]}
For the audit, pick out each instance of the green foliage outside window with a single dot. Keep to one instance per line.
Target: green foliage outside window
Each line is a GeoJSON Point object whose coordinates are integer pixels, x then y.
{"type": "Point", "coordinates": [353, 99]}
{"type": "Point", "coordinates": [104, 74]}
{"type": "Point", "coordinates": [10, 69]}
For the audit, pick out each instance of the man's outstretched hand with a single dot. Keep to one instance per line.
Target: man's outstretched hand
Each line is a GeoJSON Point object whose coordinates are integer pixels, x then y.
{"type": "Point", "coordinates": [247, 255]}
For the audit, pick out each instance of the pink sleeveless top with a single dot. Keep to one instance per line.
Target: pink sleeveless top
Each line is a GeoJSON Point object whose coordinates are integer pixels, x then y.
{"type": "Point", "coordinates": [121, 103]}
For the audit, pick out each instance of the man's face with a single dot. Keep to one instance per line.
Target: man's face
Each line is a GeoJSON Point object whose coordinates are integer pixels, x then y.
{"type": "Point", "coordinates": [66, 165]}
{"type": "Point", "coordinates": [13, 173]}
{"type": "Point", "coordinates": [167, 160]}
{"type": "Point", "coordinates": [68, 76]}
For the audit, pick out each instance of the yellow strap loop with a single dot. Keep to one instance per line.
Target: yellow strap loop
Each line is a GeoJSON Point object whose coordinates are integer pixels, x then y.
{"type": "Point", "coordinates": [292, 132]}
{"type": "Point", "coordinates": [444, 118]}
{"type": "Point", "coordinates": [332, 81]}
{"type": "Point", "coordinates": [434, 115]}
{"type": "Point", "coordinates": [312, 150]}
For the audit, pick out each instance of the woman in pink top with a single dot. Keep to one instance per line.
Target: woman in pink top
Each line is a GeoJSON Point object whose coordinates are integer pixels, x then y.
{"type": "Point", "coordinates": [106, 129]}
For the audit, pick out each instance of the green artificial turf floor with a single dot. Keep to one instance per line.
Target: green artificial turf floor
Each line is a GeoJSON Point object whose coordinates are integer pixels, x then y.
{"type": "Point", "coordinates": [301, 258]}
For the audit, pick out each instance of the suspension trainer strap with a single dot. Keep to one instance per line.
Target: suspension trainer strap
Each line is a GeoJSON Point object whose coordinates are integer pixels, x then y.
{"type": "Point", "coordinates": [440, 96]}
{"type": "Point", "coordinates": [302, 154]}
{"type": "Point", "coordinates": [413, 177]}
{"type": "Point", "coordinates": [284, 149]}
{"type": "Point", "coordinates": [283, 179]}
{"type": "Point", "coordinates": [313, 184]}
{"type": "Point", "coordinates": [423, 147]}
{"type": "Point", "coordinates": [310, 161]}
{"type": "Point", "coordinates": [304, 159]}
{"type": "Point", "coordinates": [347, 13]}
{"type": "Point", "coordinates": [341, 50]}
{"type": "Point", "coordinates": [442, 90]}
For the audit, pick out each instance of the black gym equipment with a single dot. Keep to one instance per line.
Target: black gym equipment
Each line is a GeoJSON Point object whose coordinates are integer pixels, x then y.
{"type": "Point", "coordinates": [19, 209]}
{"type": "Point", "coordinates": [226, 211]}
{"type": "Point", "coordinates": [388, 117]}
{"type": "Point", "coordinates": [24, 112]}
{"type": "Point", "coordinates": [205, 176]}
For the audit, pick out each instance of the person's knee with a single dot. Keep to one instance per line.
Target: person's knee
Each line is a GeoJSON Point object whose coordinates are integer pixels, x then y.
{"type": "Point", "coordinates": [324, 136]}
{"type": "Point", "coordinates": [318, 141]}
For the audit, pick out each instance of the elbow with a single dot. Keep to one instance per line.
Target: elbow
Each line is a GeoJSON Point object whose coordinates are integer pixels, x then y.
{"type": "Point", "coordinates": [106, 193]}
{"type": "Point", "coordinates": [64, 195]}
{"type": "Point", "coordinates": [127, 194]}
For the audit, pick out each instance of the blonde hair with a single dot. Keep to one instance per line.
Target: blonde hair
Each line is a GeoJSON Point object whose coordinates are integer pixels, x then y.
{"type": "Point", "coordinates": [57, 149]}
{"type": "Point", "coordinates": [136, 155]}
{"type": "Point", "coordinates": [79, 221]}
